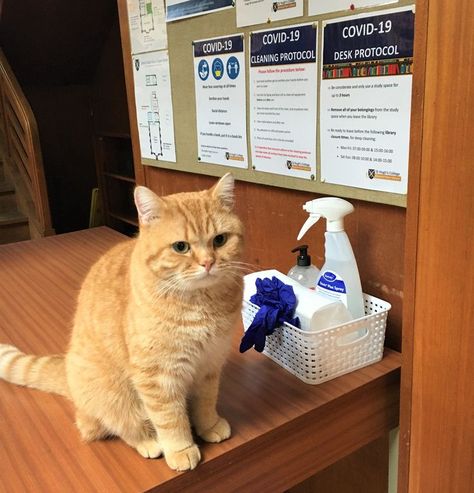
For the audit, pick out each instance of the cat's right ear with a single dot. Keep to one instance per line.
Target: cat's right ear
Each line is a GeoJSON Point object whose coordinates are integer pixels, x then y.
{"type": "Point", "coordinates": [148, 205]}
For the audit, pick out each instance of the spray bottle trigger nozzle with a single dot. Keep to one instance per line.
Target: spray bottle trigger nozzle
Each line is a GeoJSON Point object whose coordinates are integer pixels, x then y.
{"type": "Point", "coordinates": [312, 219]}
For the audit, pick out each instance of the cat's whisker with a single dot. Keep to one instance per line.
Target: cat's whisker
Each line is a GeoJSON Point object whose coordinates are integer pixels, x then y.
{"type": "Point", "coordinates": [253, 266]}
{"type": "Point", "coordinates": [237, 269]}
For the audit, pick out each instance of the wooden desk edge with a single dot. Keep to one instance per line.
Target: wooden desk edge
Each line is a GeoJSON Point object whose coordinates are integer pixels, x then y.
{"type": "Point", "coordinates": [293, 452]}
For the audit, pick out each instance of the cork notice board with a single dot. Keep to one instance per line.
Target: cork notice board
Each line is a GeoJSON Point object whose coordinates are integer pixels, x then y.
{"type": "Point", "coordinates": [181, 35]}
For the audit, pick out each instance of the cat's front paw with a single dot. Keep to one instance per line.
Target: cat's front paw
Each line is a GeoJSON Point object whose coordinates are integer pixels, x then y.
{"type": "Point", "coordinates": [150, 449]}
{"type": "Point", "coordinates": [184, 459]}
{"type": "Point", "coordinates": [219, 432]}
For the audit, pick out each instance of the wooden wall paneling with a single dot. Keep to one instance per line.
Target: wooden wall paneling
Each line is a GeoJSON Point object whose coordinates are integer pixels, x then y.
{"type": "Point", "coordinates": [438, 393]}
{"type": "Point", "coordinates": [416, 136]}
{"type": "Point", "coordinates": [346, 476]}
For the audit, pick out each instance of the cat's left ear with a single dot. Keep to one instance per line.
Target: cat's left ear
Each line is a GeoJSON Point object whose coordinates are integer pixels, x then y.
{"type": "Point", "coordinates": [148, 205]}
{"type": "Point", "coordinates": [224, 190]}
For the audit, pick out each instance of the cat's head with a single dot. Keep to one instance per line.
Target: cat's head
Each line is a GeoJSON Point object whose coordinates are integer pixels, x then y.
{"type": "Point", "coordinates": [190, 240]}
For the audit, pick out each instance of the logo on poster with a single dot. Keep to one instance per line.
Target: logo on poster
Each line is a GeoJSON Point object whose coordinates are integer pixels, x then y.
{"type": "Point", "coordinates": [217, 69]}
{"type": "Point", "coordinates": [233, 67]}
{"type": "Point", "coordinates": [203, 70]}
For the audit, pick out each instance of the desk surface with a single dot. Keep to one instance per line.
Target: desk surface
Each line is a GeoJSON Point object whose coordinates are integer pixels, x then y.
{"type": "Point", "coordinates": [283, 430]}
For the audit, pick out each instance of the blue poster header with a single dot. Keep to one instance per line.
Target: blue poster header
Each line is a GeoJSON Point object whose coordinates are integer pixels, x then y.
{"type": "Point", "coordinates": [296, 44]}
{"type": "Point", "coordinates": [220, 46]}
{"type": "Point", "coordinates": [379, 37]}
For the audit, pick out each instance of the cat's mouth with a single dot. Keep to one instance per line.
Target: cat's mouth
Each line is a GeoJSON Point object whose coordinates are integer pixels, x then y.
{"type": "Point", "coordinates": [205, 278]}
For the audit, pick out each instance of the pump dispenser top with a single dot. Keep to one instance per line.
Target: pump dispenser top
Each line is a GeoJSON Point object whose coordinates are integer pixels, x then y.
{"type": "Point", "coordinates": [304, 272]}
{"type": "Point", "coordinates": [339, 276]}
{"type": "Point", "coordinates": [303, 259]}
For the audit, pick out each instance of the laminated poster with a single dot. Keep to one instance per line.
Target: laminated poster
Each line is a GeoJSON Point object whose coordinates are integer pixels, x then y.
{"type": "Point", "coordinates": [251, 12]}
{"type": "Point", "coordinates": [146, 19]}
{"type": "Point", "coordinates": [365, 100]}
{"type": "Point", "coordinates": [316, 7]}
{"type": "Point", "coordinates": [181, 9]}
{"type": "Point", "coordinates": [219, 79]}
{"type": "Point", "coordinates": [151, 75]}
{"type": "Point", "coordinates": [283, 100]}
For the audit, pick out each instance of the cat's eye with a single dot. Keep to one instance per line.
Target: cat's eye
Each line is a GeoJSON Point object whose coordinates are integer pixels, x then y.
{"type": "Point", "coordinates": [181, 246]}
{"type": "Point", "coordinates": [219, 240]}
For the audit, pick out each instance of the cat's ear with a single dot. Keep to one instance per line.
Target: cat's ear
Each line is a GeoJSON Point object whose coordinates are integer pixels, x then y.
{"type": "Point", "coordinates": [148, 205]}
{"type": "Point", "coordinates": [224, 190]}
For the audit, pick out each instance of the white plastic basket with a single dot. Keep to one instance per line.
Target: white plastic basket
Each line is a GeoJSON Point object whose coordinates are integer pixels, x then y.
{"type": "Point", "coordinates": [316, 357]}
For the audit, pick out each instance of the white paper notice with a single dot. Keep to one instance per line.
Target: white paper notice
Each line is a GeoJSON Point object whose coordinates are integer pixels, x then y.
{"type": "Point", "coordinates": [366, 99]}
{"type": "Point", "coordinates": [182, 9]}
{"type": "Point", "coordinates": [146, 19]}
{"type": "Point", "coordinates": [219, 77]}
{"type": "Point", "coordinates": [316, 7]}
{"type": "Point", "coordinates": [251, 12]}
{"type": "Point", "coordinates": [283, 100]}
{"type": "Point", "coordinates": [154, 107]}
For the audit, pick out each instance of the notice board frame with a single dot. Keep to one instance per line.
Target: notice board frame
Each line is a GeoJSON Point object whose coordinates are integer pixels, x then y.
{"type": "Point", "coordinates": [181, 35]}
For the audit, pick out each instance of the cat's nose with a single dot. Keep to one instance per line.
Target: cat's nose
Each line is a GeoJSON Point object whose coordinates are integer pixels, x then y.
{"type": "Point", "coordinates": [207, 264]}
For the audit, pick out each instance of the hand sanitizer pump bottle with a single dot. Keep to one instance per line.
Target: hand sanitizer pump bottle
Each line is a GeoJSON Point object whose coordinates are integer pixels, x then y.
{"type": "Point", "coordinates": [304, 271]}
{"type": "Point", "coordinates": [339, 277]}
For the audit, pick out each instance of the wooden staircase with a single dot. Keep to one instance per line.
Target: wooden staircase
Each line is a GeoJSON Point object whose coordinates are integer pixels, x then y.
{"type": "Point", "coordinates": [13, 224]}
{"type": "Point", "coordinates": [24, 207]}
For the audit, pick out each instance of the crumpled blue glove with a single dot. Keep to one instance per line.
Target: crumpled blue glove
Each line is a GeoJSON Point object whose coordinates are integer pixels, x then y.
{"type": "Point", "coordinates": [277, 303]}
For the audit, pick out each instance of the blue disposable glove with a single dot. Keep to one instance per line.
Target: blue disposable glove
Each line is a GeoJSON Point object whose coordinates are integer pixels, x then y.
{"type": "Point", "coordinates": [277, 303]}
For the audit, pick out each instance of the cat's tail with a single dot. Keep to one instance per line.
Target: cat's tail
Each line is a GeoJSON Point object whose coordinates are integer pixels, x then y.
{"type": "Point", "coordinates": [46, 373]}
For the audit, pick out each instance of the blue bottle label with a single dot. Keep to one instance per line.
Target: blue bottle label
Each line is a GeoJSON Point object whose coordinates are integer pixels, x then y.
{"type": "Point", "coordinates": [332, 286]}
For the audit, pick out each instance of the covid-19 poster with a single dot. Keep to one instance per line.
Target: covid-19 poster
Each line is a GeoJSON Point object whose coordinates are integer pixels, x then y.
{"type": "Point", "coordinates": [221, 117]}
{"type": "Point", "coordinates": [365, 100]}
{"type": "Point", "coordinates": [283, 100]}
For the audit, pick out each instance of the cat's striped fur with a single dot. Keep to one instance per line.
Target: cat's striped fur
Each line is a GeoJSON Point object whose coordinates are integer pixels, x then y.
{"type": "Point", "coordinates": [152, 329]}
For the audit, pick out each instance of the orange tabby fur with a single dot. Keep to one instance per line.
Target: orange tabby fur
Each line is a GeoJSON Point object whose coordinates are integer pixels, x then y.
{"type": "Point", "coordinates": [152, 330]}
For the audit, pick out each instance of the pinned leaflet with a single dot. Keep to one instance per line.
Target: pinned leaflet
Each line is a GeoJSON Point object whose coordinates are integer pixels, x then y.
{"type": "Point", "coordinates": [365, 101]}
{"type": "Point", "coordinates": [283, 100]}
{"type": "Point", "coordinates": [219, 81]}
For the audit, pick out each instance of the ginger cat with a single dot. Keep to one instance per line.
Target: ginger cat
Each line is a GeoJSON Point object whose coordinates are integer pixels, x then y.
{"type": "Point", "coordinates": [152, 329]}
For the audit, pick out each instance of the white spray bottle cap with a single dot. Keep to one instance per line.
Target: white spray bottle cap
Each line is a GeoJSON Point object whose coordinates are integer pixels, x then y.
{"type": "Point", "coordinates": [332, 208]}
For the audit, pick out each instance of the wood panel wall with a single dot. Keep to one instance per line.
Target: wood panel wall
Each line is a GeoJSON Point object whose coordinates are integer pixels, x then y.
{"type": "Point", "coordinates": [437, 418]}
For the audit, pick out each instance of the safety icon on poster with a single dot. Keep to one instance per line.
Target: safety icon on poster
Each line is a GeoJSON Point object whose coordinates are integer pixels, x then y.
{"type": "Point", "coordinates": [203, 70]}
{"type": "Point", "coordinates": [217, 68]}
{"type": "Point", "coordinates": [233, 67]}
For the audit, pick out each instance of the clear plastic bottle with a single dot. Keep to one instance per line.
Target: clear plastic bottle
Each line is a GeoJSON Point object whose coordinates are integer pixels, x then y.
{"type": "Point", "coordinates": [304, 271]}
{"type": "Point", "coordinates": [339, 277]}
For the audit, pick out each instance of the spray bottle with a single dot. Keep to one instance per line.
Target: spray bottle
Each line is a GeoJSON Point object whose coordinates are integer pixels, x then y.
{"type": "Point", "coordinates": [339, 276]}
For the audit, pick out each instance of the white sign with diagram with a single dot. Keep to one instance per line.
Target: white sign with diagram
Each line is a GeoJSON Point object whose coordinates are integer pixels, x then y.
{"type": "Point", "coordinates": [219, 78]}
{"type": "Point", "coordinates": [147, 23]}
{"type": "Point", "coordinates": [154, 106]}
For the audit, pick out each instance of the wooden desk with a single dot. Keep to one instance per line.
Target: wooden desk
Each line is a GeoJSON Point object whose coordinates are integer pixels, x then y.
{"type": "Point", "coordinates": [283, 430]}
